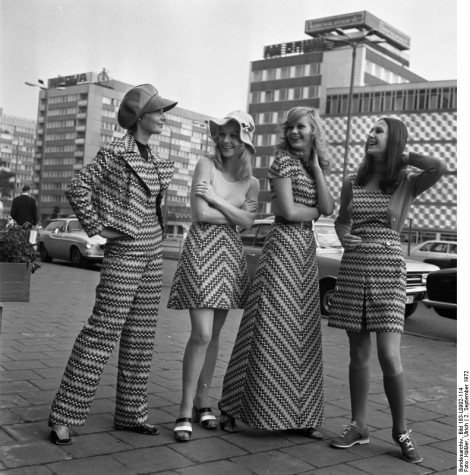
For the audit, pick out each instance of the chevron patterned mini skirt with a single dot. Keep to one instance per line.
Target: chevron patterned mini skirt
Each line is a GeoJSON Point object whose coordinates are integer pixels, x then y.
{"type": "Point", "coordinates": [274, 380]}
{"type": "Point", "coordinates": [212, 271]}
{"type": "Point", "coordinates": [370, 290]}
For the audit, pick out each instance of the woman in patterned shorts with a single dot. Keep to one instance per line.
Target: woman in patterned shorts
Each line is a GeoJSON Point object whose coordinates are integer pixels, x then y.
{"type": "Point", "coordinates": [274, 379]}
{"type": "Point", "coordinates": [371, 286]}
{"type": "Point", "coordinates": [212, 273]}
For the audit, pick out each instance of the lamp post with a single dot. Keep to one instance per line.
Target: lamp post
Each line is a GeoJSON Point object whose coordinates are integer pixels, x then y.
{"type": "Point", "coordinates": [353, 40]}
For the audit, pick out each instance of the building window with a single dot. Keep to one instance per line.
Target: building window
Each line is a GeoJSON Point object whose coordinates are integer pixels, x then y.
{"type": "Point", "coordinates": [398, 101]}
{"type": "Point", "coordinates": [255, 97]}
{"type": "Point", "coordinates": [270, 74]}
{"type": "Point", "coordinates": [314, 69]}
{"type": "Point", "coordinates": [268, 96]}
{"type": "Point", "coordinates": [284, 72]}
{"type": "Point", "coordinates": [283, 94]}
{"type": "Point", "coordinates": [299, 71]}
{"type": "Point", "coordinates": [297, 93]}
{"type": "Point", "coordinates": [387, 105]}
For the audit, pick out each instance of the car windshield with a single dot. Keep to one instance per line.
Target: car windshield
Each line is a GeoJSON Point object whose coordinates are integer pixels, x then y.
{"type": "Point", "coordinates": [327, 237]}
{"type": "Point", "coordinates": [75, 226]}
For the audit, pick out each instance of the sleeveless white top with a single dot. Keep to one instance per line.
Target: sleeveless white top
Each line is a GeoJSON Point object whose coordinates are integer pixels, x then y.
{"type": "Point", "coordinates": [234, 192]}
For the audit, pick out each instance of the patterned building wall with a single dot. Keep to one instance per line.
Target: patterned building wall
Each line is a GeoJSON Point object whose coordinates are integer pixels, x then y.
{"type": "Point", "coordinates": [430, 133]}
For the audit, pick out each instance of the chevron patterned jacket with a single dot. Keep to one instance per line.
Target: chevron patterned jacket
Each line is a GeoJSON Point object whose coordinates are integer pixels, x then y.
{"type": "Point", "coordinates": [114, 189]}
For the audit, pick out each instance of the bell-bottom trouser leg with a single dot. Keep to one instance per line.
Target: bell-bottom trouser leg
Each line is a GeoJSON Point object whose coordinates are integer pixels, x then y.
{"type": "Point", "coordinates": [126, 306]}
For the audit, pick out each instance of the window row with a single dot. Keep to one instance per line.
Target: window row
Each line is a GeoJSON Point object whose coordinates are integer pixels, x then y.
{"type": "Point", "coordinates": [408, 100]}
{"type": "Point", "coordinates": [61, 185]}
{"type": "Point", "coordinates": [287, 94]}
{"type": "Point", "coordinates": [286, 72]}
{"type": "Point", "coordinates": [59, 161]}
{"type": "Point", "coordinates": [67, 110]}
{"type": "Point", "coordinates": [62, 99]}
{"type": "Point", "coordinates": [64, 136]}
{"type": "Point", "coordinates": [111, 101]}
{"type": "Point", "coordinates": [56, 174]}
{"type": "Point", "coordinates": [60, 148]}
{"type": "Point", "coordinates": [53, 199]}
{"type": "Point", "coordinates": [384, 74]}
{"type": "Point", "coordinates": [107, 113]}
{"type": "Point", "coordinates": [56, 124]}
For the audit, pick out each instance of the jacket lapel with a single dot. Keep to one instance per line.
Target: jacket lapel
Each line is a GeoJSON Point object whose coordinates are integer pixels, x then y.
{"type": "Point", "coordinates": [144, 169]}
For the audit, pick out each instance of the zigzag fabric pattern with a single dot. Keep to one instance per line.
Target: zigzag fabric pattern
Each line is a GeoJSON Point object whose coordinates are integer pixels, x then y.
{"type": "Point", "coordinates": [127, 300]}
{"type": "Point", "coordinates": [274, 380]}
{"type": "Point", "coordinates": [212, 271]}
{"type": "Point", "coordinates": [371, 286]}
{"type": "Point", "coordinates": [128, 294]}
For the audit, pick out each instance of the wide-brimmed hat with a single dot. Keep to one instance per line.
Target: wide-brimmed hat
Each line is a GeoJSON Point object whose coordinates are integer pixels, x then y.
{"type": "Point", "coordinates": [139, 101]}
{"type": "Point", "coordinates": [244, 120]}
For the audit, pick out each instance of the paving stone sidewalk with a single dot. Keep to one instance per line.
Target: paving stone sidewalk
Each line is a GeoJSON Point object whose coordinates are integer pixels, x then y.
{"type": "Point", "coordinates": [35, 342]}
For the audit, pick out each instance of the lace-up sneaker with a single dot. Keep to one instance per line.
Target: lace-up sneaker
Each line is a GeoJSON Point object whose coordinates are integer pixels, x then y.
{"type": "Point", "coordinates": [409, 447]}
{"type": "Point", "coordinates": [352, 435]}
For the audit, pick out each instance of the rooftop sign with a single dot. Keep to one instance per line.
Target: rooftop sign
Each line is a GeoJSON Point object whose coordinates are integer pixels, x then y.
{"type": "Point", "coordinates": [359, 20]}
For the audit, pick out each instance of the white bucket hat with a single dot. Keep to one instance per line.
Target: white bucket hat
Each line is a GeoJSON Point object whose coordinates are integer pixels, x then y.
{"type": "Point", "coordinates": [244, 120]}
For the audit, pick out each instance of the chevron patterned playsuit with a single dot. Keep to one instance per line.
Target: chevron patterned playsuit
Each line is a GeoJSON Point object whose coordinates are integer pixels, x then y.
{"type": "Point", "coordinates": [371, 286]}
{"type": "Point", "coordinates": [128, 294]}
{"type": "Point", "coordinates": [274, 379]}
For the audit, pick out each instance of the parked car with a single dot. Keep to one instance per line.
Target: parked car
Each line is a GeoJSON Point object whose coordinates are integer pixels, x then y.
{"type": "Point", "coordinates": [442, 292]}
{"type": "Point", "coordinates": [441, 253]}
{"type": "Point", "coordinates": [65, 239]}
{"type": "Point", "coordinates": [329, 253]}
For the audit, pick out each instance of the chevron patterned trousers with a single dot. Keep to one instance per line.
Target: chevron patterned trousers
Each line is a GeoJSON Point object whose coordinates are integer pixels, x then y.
{"type": "Point", "coordinates": [127, 300]}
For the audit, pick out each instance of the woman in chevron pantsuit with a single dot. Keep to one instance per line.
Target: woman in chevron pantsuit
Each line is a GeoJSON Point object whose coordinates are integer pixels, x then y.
{"type": "Point", "coordinates": [118, 196]}
{"type": "Point", "coordinates": [212, 274]}
{"type": "Point", "coordinates": [371, 287]}
{"type": "Point", "coordinates": [274, 379]}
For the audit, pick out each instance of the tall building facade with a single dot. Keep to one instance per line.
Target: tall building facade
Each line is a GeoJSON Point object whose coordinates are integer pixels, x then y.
{"type": "Point", "coordinates": [17, 141]}
{"type": "Point", "coordinates": [362, 51]}
{"type": "Point", "coordinates": [77, 115]}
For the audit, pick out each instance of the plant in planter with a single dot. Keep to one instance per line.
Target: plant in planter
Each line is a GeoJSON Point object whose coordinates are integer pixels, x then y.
{"type": "Point", "coordinates": [17, 263]}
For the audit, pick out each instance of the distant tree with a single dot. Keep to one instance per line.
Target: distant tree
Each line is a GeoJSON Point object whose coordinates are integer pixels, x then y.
{"type": "Point", "coordinates": [6, 186]}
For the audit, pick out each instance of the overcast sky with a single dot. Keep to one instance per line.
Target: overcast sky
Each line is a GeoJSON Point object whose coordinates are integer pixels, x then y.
{"type": "Point", "coordinates": [194, 51]}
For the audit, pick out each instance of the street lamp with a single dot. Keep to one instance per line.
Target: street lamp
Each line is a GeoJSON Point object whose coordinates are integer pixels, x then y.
{"type": "Point", "coordinates": [353, 40]}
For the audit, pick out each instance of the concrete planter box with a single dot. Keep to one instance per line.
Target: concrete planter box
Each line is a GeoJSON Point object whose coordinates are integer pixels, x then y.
{"type": "Point", "coordinates": [15, 281]}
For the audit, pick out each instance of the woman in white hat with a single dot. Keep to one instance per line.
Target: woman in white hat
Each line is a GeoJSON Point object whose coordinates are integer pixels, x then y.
{"type": "Point", "coordinates": [274, 380]}
{"type": "Point", "coordinates": [118, 196]}
{"type": "Point", "coordinates": [212, 274]}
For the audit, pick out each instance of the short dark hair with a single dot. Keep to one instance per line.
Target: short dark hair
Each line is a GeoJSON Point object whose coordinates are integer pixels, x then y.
{"type": "Point", "coordinates": [26, 188]}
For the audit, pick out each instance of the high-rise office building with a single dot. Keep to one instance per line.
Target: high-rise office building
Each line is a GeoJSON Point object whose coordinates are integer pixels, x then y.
{"type": "Point", "coordinates": [77, 115]}
{"type": "Point", "coordinates": [17, 140]}
{"type": "Point", "coordinates": [362, 51]}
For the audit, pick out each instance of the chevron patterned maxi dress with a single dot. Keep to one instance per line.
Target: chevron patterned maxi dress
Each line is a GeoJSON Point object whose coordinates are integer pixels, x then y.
{"type": "Point", "coordinates": [274, 379]}
{"type": "Point", "coordinates": [371, 286]}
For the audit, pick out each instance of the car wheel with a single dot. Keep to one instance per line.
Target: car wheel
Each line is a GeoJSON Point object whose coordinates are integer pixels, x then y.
{"type": "Point", "coordinates": [446, 312]}
{"type": "Point", "coordinates": [77, 259]}
{"type": "Point", "coordinates": [410, 309]}
{"type": "Point", "coordinates": [43, 254]}
{"type": "Point", "coordinates": [327, 288]}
